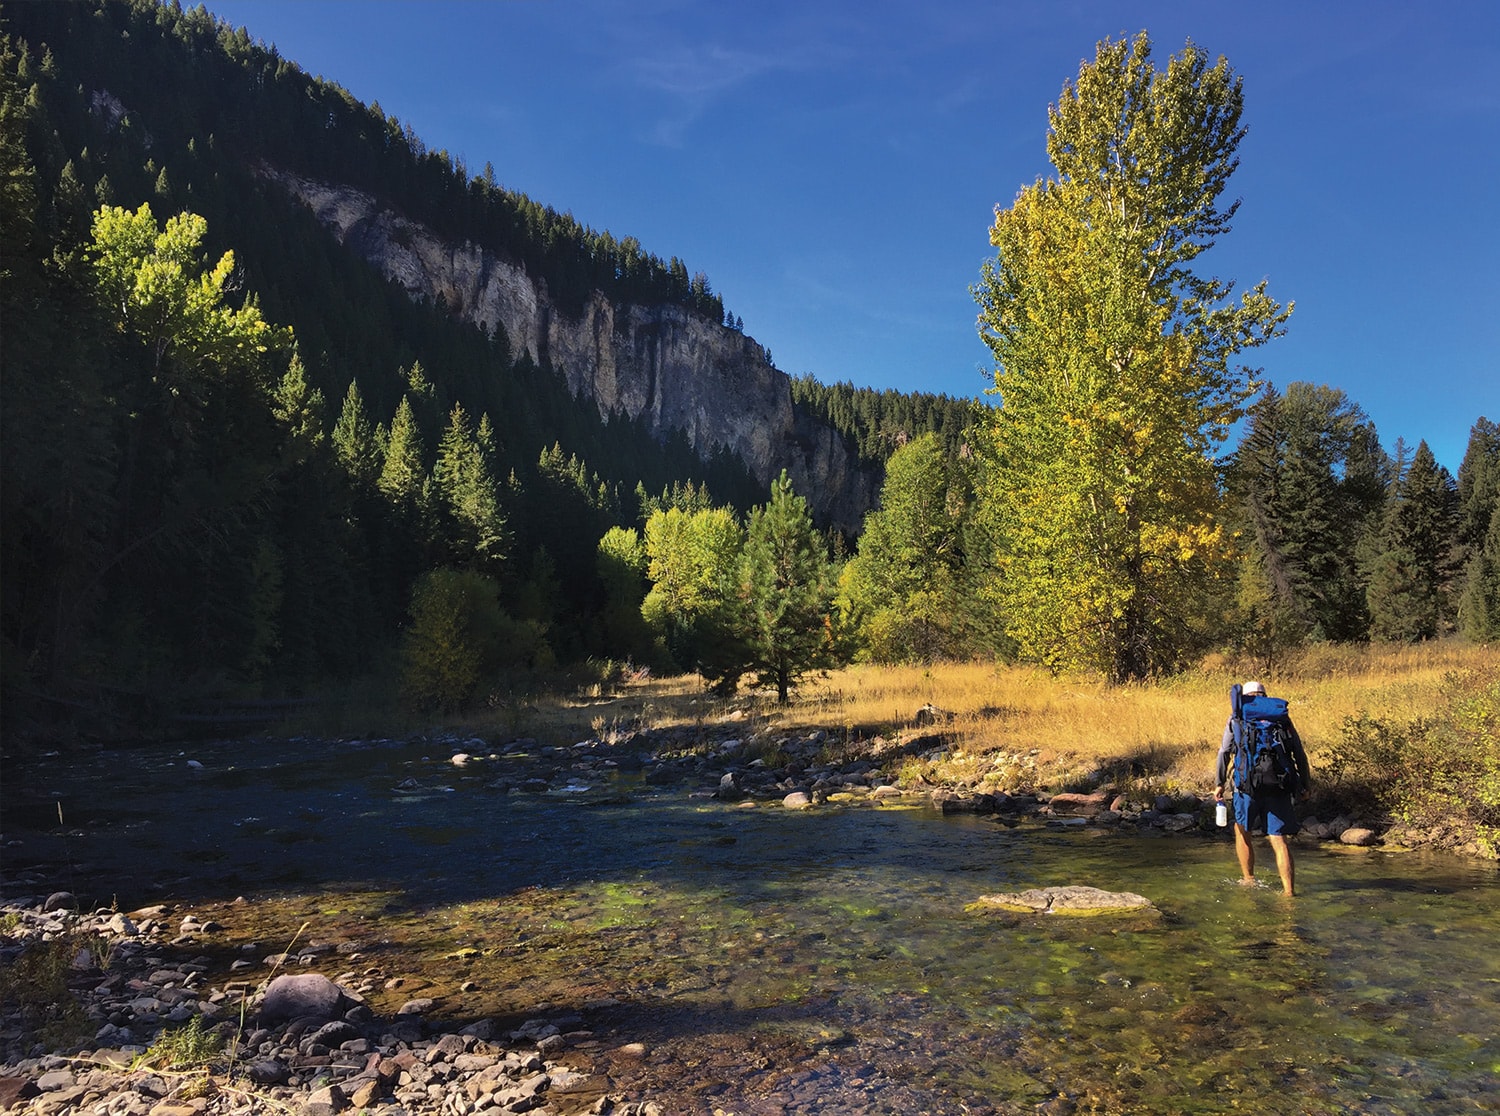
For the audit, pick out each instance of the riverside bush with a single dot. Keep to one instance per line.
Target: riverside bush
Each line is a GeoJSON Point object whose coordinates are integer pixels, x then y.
{"type": "Point", "coordinates": [184, 1048]}
{"type": "Point", "coordinates": [35, 983]}
{"type": "Point", "coordinates": [458, 639]}
{"type": "Point", "coordinates": [1429, 771]}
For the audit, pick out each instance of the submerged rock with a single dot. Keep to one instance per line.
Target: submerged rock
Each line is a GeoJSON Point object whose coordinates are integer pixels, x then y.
{"type": "Point", "coordinates": [1074, 899]}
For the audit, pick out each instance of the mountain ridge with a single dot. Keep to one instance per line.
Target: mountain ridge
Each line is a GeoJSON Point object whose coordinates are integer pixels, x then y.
{"type": "Point", "coordinates": [665, 364]}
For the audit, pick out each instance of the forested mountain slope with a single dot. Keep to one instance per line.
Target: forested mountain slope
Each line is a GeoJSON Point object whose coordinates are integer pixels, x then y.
{"type": "Point", "coordinates": [434, 371]}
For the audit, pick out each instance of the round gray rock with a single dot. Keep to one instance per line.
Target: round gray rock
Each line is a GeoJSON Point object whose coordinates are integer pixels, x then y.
{"type": "Point", "coordinates": [302, 994]}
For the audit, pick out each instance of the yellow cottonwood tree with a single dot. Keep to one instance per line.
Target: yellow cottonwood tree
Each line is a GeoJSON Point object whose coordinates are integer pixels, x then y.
{"type": "Point", "coordinates": [1113, 365]}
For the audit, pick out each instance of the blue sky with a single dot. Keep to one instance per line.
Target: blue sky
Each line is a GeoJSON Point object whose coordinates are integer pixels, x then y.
{"type": "Point", "coordinates": [834, 167]}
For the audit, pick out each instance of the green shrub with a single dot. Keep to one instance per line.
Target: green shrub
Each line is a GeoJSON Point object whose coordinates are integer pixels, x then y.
{"type": "Point", "coordinates": [1438, 770]}
{"type": "Point", "coordinates": [35, 986]}
{"type": "Point", "coordinates": [185, 1048]}
{"type": "Point", "coordinates": [458, 639]}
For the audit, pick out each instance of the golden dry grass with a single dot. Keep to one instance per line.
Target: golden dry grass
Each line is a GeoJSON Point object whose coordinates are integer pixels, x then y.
{"type": "Point", "coordinates": [1003, 727]}
{"type": "Point", "coordinates": [1165, 731]}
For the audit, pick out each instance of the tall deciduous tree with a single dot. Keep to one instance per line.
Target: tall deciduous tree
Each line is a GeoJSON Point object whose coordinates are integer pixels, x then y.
{"type": "Point", "coordinates": [904, 585]}
{"type": "Point", "coordinates": [196, 380]}
{"type": "Point", "coordinates": [692, 559]}
{"type": "Point", "coordinates": [457, 637]}
{"type": "Point", "coordinates": [621, 561]}
{"type": "Point", "coordinates": [189, 344]}
{"type": "Point", "coordinates": [1114, 364]}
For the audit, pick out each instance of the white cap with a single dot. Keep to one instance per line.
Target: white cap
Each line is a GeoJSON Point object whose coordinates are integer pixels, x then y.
{"type": "Point", "coordinates": [1252, 689]}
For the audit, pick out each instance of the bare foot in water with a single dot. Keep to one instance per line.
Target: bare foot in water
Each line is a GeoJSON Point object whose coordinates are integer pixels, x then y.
{"type": "Point", "coordinates": [1247, 881]}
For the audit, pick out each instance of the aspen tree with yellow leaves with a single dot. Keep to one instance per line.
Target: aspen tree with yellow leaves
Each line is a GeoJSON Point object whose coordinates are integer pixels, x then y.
{"type": "Point", "coordinates": [1115, 366]}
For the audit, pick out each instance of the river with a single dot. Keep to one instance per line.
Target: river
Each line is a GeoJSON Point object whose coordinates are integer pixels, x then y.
{"type": "Point", "coordinates": [825, 961]}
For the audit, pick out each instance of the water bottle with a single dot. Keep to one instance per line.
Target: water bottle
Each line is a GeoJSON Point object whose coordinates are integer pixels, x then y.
{"type": "Point", "coordinates": [1221, 814]}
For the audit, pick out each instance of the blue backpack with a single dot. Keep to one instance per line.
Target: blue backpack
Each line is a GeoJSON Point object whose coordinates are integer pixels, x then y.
{"type": "Point", "coordinates": [1262, 752]}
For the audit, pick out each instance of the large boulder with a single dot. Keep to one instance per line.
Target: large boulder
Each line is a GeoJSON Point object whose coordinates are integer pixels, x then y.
{"type": "Point", "coordinates": [951, 802]}
{"type": "Point", "coordinates": [1079, 805]}
{"type": "Point", "coordinates": [303, 995]}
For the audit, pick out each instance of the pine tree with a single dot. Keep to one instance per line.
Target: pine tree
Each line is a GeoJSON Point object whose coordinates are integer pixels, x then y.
{"type": "Point", "coordinates": [402, 472]}
{"type": "Point", "coordinates": [468, 494]}
{"type": "Point", "coordinates": [1479, 485]}
{"type": "Point", "coordinates": [300, 412]}
{"type": "Point", "coordinates": [59, 450]}
{"type": "Point", "coordinates": [1411, 584]}
{"type": "Point", "coordinates": [787, 592]}
{"type": "Point", "coordinates": [1479, 533]}
{"type": "Point", "coordinates": [1307, 487]}
{"type": "Point", "coordinates": [1479, 609]}
{"type": "Point", "coordinates": [355, 443]}
{"type": "Point", "coordinates": [423, 398]}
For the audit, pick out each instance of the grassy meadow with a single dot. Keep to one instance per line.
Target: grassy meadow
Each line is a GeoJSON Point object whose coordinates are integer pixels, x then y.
{"type": "Point", "coordinates": [988, 712]}
{"type": "Point", "coordinates": [1387, 733]}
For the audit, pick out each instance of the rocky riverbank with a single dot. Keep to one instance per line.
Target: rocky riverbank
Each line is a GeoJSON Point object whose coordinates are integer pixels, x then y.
{"type": "Point", "coordinates": [120, 1020]}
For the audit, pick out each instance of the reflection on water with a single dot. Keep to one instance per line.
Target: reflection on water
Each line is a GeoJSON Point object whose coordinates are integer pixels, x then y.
{"type": "Point", "coordinates": [828, 956]}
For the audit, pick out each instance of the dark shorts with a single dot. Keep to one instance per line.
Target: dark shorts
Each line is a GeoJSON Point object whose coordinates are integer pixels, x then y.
{"type": "Point", "coordinates": [1274, 813]}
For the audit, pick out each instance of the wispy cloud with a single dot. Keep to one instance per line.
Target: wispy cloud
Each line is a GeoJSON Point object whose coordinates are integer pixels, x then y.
{"type": "Point", "coordinates": [697, 71]}
{"type": "Point", "coordinates": [690, 64]}
{"type": "Point", "coordinates": [693, 78]}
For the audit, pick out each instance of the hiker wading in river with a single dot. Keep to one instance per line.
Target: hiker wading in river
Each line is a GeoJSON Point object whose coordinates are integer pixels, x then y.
{"type": "Point", "coordinates": [1263, 755]}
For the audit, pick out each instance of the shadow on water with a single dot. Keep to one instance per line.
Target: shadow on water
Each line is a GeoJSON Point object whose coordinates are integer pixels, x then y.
{"type": "Point", "coordinates": [153, 824]}
{"type": "Point", "coordinates": [1390, 885]}
{"type": "Point", "coordinates": [827, 960]}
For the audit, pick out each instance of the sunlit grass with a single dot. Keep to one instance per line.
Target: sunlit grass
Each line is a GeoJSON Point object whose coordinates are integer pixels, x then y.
{"type": "Point", "coordinates": [997, 724]}
{"type": "Point", "coordinates": [987, 712]}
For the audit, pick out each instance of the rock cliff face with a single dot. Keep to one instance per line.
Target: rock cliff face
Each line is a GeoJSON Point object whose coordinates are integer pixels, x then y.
{"type": "Point", "coordinates": [674, 368]}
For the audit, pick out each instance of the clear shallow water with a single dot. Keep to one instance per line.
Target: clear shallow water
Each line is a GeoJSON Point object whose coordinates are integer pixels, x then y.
{"type": "Point", "coordinates": [821, 961]}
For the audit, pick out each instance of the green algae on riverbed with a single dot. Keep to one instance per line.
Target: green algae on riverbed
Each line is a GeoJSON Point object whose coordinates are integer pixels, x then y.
{"type": "Point", "coordinates": [1233, 994]}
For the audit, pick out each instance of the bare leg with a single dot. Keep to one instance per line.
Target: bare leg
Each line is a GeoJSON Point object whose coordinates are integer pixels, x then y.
{"type": "Point", "coordinates": [1246, 852]}
{"type": "Point", "coordinates": [1284, 863]}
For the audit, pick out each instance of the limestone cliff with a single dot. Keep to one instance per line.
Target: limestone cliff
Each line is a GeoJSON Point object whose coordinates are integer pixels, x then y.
{"type": "Point", "coordinates": [666, 364]}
